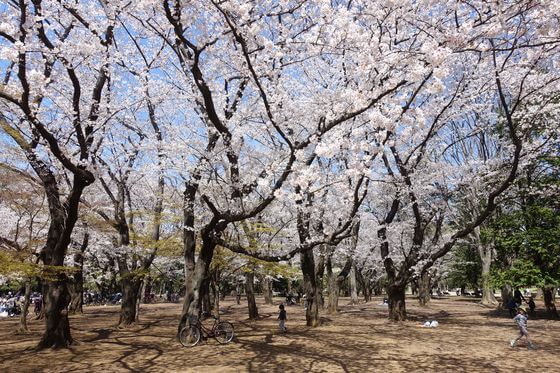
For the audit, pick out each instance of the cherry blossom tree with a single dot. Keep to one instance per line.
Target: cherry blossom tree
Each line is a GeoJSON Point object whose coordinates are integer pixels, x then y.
{"type": "Point", "coordinates": [52, 98]}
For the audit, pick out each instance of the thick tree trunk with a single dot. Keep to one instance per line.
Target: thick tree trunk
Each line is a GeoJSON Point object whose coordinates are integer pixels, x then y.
{"type": "Point", "coordinates": [307, 263]}
{"type": "Point", "coordinates": [214, 286]}
{"type": "Point", "coordinates": [75, 289]}
{"type": "Point", "coordinates": [396, 297]}
{"type": "Point", "coordinates": [549, 295]}
{"type": "Point", "coordinates": [194, 279]}
{"type": "Point", "coordinates": [130, 289]}
{"type": "Point", "coordinates": [238, 292]}
{"type": "Point", "coordinates": [414, 287]}
{"type": "Point", "coordinates": [353, 287]}
{"type": "Point", "coordinates": [205, 301]}
{"type": "Point", "coordinates": [249, 291]}
{"type": "Point", "coordinates": [424, 289]}
{"type": "Point", "coordinates": [25, 307]}
{"type": "Point", "coordinates": [507, 295]}
{"type": "Point", "coordinates": [55, 288]}
{"type": "Point", "coordinates": [267, 290]}
{"type": "Point", "coordinates": [332, 305]}
{"type": "Point", "coordinates": [319, 273]}
{"type": "Point", "coordinates": [488, 297]}
{"type": "Point", "coordinates": [364, 285]}
{"type": "Point", "coordinates": [485, 253]}
{"type": "Point", "coordinates": [76, 286]}
{"type": "Point", "coordinates": [57, 331]}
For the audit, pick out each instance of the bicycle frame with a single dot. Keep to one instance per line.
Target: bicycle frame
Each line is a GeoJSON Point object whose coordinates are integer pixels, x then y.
{"type": "Point", "coordinates": [207, 332]}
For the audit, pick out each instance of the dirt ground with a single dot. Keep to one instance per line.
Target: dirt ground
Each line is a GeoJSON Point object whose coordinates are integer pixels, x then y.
{"type": "Point", "coordinates": [470, 338]}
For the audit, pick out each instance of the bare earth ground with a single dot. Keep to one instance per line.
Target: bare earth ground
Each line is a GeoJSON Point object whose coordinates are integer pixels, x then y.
{"type": "Point", "coordinates": [470, 338]}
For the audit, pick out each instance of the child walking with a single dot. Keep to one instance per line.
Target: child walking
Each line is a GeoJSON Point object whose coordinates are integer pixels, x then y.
{"type": "Point", "coordinates": [282, 317]}
{"type": "Point", "coordinates": [521, 321]}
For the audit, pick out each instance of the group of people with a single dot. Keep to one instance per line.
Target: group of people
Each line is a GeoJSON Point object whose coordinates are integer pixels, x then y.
{"type": "Point", "coordinates": [12, 304]}
{"type": "Point", "coordinates": [516, 302]}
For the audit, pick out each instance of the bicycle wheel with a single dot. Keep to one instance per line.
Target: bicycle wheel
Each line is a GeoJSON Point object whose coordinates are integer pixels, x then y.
{"type": "Point", "coordinates": [223, 332]}
{"type": "Point", "coordinates": [189, 336]}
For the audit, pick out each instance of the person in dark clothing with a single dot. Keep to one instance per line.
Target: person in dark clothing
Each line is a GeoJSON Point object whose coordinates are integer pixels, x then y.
{"type": "Point", "coordinates": [282, 317]}
{"type": "Point", "coordinates": [512, 307]}
{"type": "Point", "coordinates": [531, 304]}
{"type": "Point", "coordinates": [518, 297]}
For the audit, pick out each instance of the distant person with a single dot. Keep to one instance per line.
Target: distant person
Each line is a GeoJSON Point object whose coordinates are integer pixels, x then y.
{"type": "Point", "coordinates": [532, 306]}
{"type": "Point", "coordinates": [518, 297]}
{"type": "Point", "coordinates": [282, 317]}
{"type": "Point", "coordinates": [521, 320]}
{"type": "Point", "coordinates": [38, 303]}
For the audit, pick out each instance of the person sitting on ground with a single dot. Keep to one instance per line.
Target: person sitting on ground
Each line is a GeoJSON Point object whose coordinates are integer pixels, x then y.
{"type": "Point", "coordinates": [512, 307]}
{"type": "Point", "coordinates": [531, 304]}
{"type": "Point", "coordinates": [521, 321]}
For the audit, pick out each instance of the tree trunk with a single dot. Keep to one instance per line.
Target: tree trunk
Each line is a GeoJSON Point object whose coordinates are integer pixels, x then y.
{"type": "Point", "coordinates": [194, 279]}
{"type": "Point", "coordinates": [332, 304]}
{"type": "Point", "coordinates": [268, 290]}
{"type": "Point", "coordinates": [205, 301]}
{"type": "Point", "coordinates": [319, 273]}
{"type": "Point", "coordinates": [76, 286]}
{"type": "Point", "coordinates": [214, 285]}
{"type": "Point", "coordinates": [485, 253]}
{"type": "Point", "coordinates": [130, 289]}
{"type": "Point", "coordinates": [249, 291]}
{"type": "Point", "coordinates": [353, 287]}
{"type": "Point", "coordinates": [364, 285]}
{"type": "Point", "coordinates": [396, 297]}
{"type": "Point", "coordinates": [25, 307]}
{"type": "Point", "coordinates": [424, 289]}
{"type": "Point", "coordinates": [307, 263]}
{"type": "Point", "coordinates": [57, 331]}
{"type": "Point", "coordinates": [414, 287]}
{"type": "Point", "coordinates": [237, 292]}
{"type": "Point", "coordinates": [507, 295]}
{"type": "Point", "coordinates": [549, 295]}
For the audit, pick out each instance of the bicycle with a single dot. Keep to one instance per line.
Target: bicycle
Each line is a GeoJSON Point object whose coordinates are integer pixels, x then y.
{"type": "Point", "coordinates": [222, 331]}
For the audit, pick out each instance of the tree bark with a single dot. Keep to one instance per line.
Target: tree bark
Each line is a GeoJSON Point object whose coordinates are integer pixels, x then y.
{"type": "Point", "coordinates": [353, 287]}
{"type": "Point", "coordinates": [319, 273]}
{"type": "Point", "coordinates": [237, 292]}
{"type": "Point", "coordinates": [194, 279]}
{"type": "Point", "coordinates": [507, 294]}
{"type": "Point", "coordinates": [424, 289]}
{"type": "Point", "coordinates": [57, 331]}
{"type": "Point", "coordinates": [216, 296]}
{"type": "Point", "coordinates": [396, 298]}
{"type": "Point", "coordinates": [332, 305]}
{"type": "Point", "coordinates": [55, 286]}
{"type": "Point", "coordinates": [335, 283]}
{"type": "Point", "coordinates": [130, 290]}
{"type": "Point", "coordinates": [268, 290]}
{"type": "Point", "coordinates": [249, 291]}
{"type": "Point", "coordinates": [366, 291]}
{"type": "Point", "coordinates": [488, 297]}
{"type": "Point", "coordinates": [485, 253]}
{"type": "Point", "coordinates": [205, 301]}
{"type": "Point", "coordinates": [25, 307]}
{"type": "Point", "coordinates": [549, 295]}
{"type": "Point", "coordinates": [76, 286]}
{"type": "Point", "coordinates": [307, 263]}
